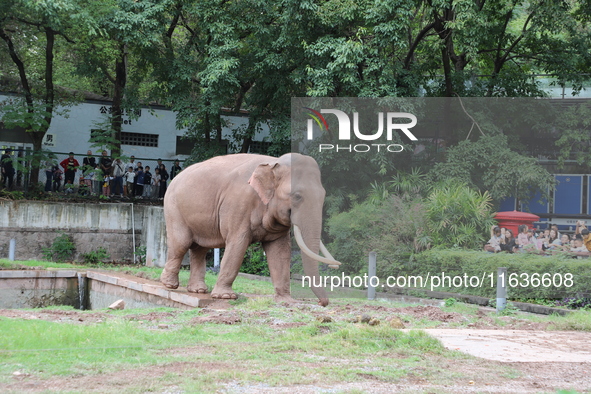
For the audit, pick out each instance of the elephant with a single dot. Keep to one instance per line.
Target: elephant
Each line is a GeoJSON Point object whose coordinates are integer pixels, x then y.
{"type": "Point", "coordinates": [235, 200]}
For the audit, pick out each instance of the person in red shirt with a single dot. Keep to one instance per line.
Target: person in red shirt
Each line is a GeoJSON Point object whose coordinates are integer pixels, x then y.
{"type": "Point", "coordinates": [70, 166]}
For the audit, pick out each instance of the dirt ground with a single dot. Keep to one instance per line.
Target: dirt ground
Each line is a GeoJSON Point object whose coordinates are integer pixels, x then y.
{"type": "Point", "coordinates": [544, 360]}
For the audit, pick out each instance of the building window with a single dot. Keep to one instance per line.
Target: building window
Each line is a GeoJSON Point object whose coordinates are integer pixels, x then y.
{"type": "Point", "coordinates": [184, 145]}
{"type": "Point", "coordinates": [136, 139]}
{"type": "Point", "coordinates": [139, 139]}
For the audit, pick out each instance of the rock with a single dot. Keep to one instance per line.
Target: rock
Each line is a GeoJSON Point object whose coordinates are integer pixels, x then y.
{"type": "Point", "coordinates": [119, 304]}
{"type": "Point", "coordinates": [373, 322]}
{"type": "Point", "coordinates": [20, 373]}
{"type": "Point", "coordinates": [163, 326]}
{"type": "Point", "coordinates": [395, 322]}
{"type": "Point", "coordinates": [324, 319]}
{"type": "Point", "coordinates": [365, 318]}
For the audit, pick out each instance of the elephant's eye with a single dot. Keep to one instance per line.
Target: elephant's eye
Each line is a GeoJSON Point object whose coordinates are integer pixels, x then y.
{"type": "Point", "coordinates": [296, 197]}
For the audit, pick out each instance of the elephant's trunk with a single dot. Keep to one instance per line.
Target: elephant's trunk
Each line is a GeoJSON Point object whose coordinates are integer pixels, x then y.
{"type": "Point", "coordinates": [309, 242]}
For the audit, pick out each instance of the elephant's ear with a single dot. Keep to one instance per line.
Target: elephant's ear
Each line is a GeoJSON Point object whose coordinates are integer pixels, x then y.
{"type": "Point", "coordinates": [262, 181]}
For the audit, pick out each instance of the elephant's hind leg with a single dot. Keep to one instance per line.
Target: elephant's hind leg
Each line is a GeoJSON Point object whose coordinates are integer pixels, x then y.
{"type": "Point", "coordinates": [197, 276]}
{"type": "Point", "coordinates": [178, 242]}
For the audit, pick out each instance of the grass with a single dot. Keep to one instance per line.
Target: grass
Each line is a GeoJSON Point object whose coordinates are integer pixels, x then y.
{"type": "Point", "coordinates": [577, 321]}
{"type": "Point", "coordinates": [7, 264]}
{"type": "Point", "coordinates": [207, 357]}
{"type": "Point", "coordinates": [337, 352]}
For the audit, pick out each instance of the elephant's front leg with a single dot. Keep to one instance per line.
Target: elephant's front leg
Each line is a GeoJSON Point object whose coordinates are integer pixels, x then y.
{"type": "Point", "coordinates": [279, 259]}
{"type": "Point", "coordinates": [197, 273]}
{"type": "Point", "coordinates": [230, 265]}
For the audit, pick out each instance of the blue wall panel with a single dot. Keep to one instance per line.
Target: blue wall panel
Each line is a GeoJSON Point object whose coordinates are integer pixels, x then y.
{"type": "Point", "coordinates": [568, 197]}
{"type": "Point", "coordinates": [534, 206]}
{"type": "Point", "coordinates": [508, 204]}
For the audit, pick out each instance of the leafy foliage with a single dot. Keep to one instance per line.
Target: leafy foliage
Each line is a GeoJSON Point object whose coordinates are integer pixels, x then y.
{"type": "Point", "coordinates": [208, 59]}
{"type": "Point", "coordinates": [575, 303]}
{"type": "Point", "coordinates": [490, 165]}
{"type": "Point", "coordinates": [459, 215]}
{"type": "Point", "coordinates": [575, 136]}
{"type": "Point", "coordinates": [95, 256]}
{"type": "Point", "coordinates": [61, 248]}
{"type": "Point", "coordinates": [255, 261]}
{"type": "Point", "coordinates": [395, 229]}
{"type": "Point", "coordinates": [459, 262]}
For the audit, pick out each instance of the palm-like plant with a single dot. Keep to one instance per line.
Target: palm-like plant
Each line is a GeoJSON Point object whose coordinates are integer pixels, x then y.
{"type": "Point", "coordinates": [413, 182]}
{"type": "Point", "coordinates": [459, 215]}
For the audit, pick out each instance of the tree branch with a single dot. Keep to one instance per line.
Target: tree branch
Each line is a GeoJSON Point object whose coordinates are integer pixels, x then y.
{"type": "Point", "coordinates": [415, 43]}
{"type": "Point", "coordinates": [20, 66]}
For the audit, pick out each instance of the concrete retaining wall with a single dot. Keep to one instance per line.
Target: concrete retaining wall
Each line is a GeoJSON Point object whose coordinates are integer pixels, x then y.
{"type": "Point", "coordinates": [35, 225]}
{"type": "Point", "coordinates": [93, 289]}
{"type": "Point", "coordinates": [38, 289]}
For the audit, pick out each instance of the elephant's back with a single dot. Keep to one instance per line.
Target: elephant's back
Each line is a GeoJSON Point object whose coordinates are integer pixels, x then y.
{"type": "Point", "coordinates": [206, 183]}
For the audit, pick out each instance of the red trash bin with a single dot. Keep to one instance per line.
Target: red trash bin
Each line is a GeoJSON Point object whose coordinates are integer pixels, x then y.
{"type": "Point", "coordinates": [513, 219]}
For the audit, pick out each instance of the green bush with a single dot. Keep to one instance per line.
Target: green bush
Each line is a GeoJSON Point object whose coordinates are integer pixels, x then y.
{"type": "Point", "coordinates": [61, 249]}
{"type": "Point", "coordinates": [395, 228]}
{"type": "Point", "coordinates": [255, 261]}
{"type": "Point", "coordinates": [351, 232]}
{"type": "Point", "coordinates": [459, 215]}
{"type": "Point", "coordinates": [457, 262]}
{"type": "Point", "coordinates": [95, 256]}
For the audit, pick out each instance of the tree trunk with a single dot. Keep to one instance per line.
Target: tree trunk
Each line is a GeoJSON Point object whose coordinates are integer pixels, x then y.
{"type": "Point", "coordinates": [252, 121]}
{"type": "Point", "coordinates": [37, 135]}
{"type": "Point", "coordinates": [118, 92]}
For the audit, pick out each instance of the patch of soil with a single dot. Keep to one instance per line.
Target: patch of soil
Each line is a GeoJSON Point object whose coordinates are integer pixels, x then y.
{"type": "Point", "coordinates": [152, 316]}
{"type": "Point", "coordinates": [56, 315]}
{"type": "Point", "coordinates": [219, 318]}
{"type": "Point", "coordinates": [79, 317]}
{"type": "Point", "coordinates": [432, 313]}
{"type": "Point", "coordinates": [472, 376]}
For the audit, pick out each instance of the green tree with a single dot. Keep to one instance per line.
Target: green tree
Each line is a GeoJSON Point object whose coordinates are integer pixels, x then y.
{"type": "Point", "coordinates": [112, 56]}
{"type": "Point", "coordinates": [491, 166]}
{"type": "Point", "coordinates": [575, 136]}
{"type": "Point", "coordinates": [30, 32]}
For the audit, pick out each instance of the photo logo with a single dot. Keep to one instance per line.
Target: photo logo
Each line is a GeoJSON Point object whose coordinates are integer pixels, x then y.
{"type": "Point", "coordinates": [390, 119]}
{"type": "Point", "coordinates": [319, 120]}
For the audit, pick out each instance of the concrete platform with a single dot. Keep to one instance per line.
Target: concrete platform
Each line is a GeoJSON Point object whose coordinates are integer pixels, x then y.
{"type": "Point", "coordinates": [90, 289]}
{"type": "Point", "coordinates": [518, 345]}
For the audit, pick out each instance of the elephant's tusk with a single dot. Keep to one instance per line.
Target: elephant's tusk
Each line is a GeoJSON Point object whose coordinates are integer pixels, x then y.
{"type": "Point", "coordinates": [332, 263]}
{"type": "Point", "coordinates": [327, 254]}
{"type": "Point", "coordinates": [325, 251]}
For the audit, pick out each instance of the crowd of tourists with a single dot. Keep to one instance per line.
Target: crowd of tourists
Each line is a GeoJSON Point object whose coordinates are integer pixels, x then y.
{"type": "Point", "coordinates": [540, 241]}
{"type": "Point", "coordinates": [100, 175]}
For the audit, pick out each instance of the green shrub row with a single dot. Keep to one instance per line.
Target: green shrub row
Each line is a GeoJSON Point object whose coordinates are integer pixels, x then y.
{"type": "Point", "coordinates": [551, 270]}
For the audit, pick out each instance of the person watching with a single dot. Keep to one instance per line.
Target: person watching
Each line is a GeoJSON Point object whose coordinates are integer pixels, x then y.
{"type": "Point", "coordinates": [586, 238]}
{"type": "Point", "coordinates": [579, 247]}
{"type": "Point", "coordinates": [509, 245]}
{"type": "Point", "coordinates": [494, 243]}
{"type": "Point", "coordinates": [70, 166]}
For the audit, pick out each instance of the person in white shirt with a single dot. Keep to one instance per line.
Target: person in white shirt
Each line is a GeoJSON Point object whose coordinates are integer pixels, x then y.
{"type": "Point", "coordinates": [129, 177]}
